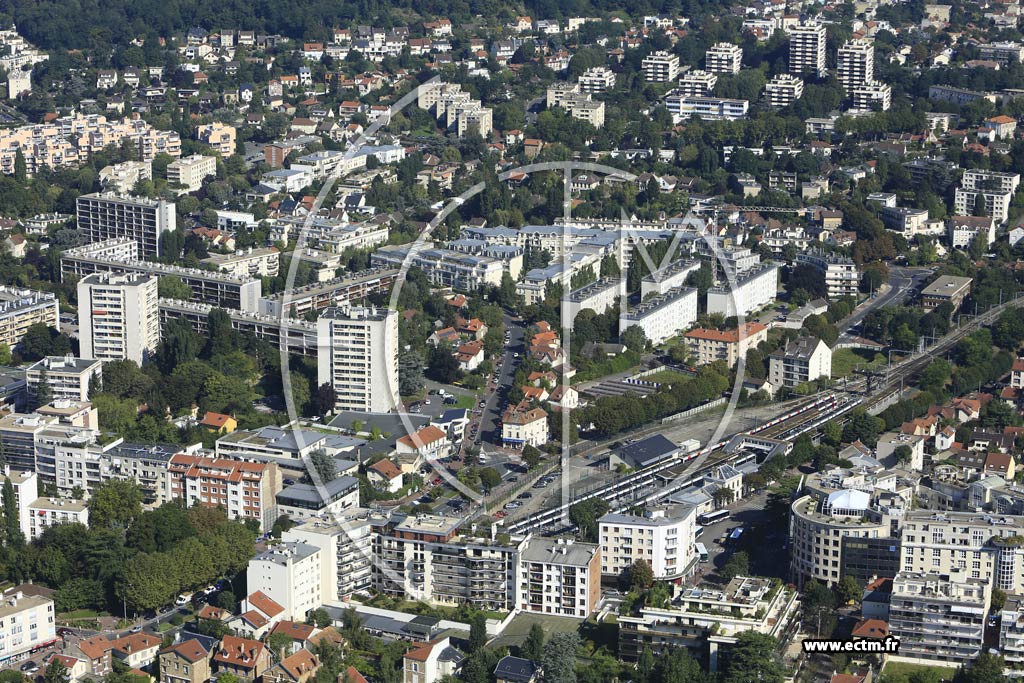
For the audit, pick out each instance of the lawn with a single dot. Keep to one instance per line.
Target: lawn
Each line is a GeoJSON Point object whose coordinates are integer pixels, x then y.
{"type": "Point", "coordinates": [845, 360]}
{"type": "Point", "coordinates": [467, 401]}
{"type": "Point", "coordinates": [899, 672]}
{"type": "Point", "coordinates": [519, 628]}
{"type": "Point", "coordinates": [667, 377]}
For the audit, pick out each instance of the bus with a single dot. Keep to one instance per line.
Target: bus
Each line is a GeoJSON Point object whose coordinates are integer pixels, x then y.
{"type": "Point", "coordinates": [702, 551]}
{"type": "Point", "coordinates": [698, 531]}
{"type": "Point", "coordinates": [712, 517]}
{"type": "Point", "coordinates": [734, 535]}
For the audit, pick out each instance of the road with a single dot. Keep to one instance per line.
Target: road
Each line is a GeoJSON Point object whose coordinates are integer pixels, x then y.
{"type": "Point", "coordinates": [497, 399]}
{"type": "Point", "coordinates": [901, 282]}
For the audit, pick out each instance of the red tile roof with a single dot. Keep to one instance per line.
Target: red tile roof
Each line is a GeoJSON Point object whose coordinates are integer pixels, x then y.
{"type": "Point", "coordinates": [261, 601]}
{"type": "Point", "coordinates": [239, 652]}
{"type": "Point", "coordinates": [190, 650]}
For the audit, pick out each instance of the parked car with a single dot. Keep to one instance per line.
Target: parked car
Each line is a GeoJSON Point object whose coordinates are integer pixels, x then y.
{"type": "Point", "coordinates": [29, 667]}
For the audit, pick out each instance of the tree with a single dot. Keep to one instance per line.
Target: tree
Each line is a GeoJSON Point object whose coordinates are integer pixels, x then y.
{"type": "Point", "coordinates": [531, 456]}
{"type": "Point", "coordinates": [752, 658]}
{"type": "Point", "coordinates": [5, 354]}
{"type": "Point", "coordinates": [21, 175]}
{"type": "Point", "coordinates": [490, 477]}
{"type": "Point", "coordinates": [634, 338]}
{"type": "Point", "coordinates": [410, 373]}
{"type": "Point", "coordinates": [12, 527]}
{"type": "Point", "coordinates": [323, 400]}
{"type": "Point", "coordinates": [533, 647]}
{"type": "Point", "coordinates": [477, 632]}
{"type": "Point", "coordinates": [641, 575]}
{"type": "Point", "coordinates": [848, 590]}
{"type": "Point", "coordinates": [903, 454]}
{"type": "Point", "coordinates": [115, 504]}
{"type": "Point", "coordinates": [324, 465]}
{"type": "Point", "coordinates": [737, 565]}
{"type": "Point", "coordinates": [818, 607]}
{"type": "Point", "coordinates": [987, 668]}
{"type": "Point", "coordinates": [172, 287]}
{"type": "Point", "coordinates": [584, 516]}
{"type": "Point", "coordinates": [44, 393]}
{"type": "Point", "coordinates": [559, 658]}
{"type": "Point", "coordinates": [279, 643]}
{"type": "Point", "coordinates": [227, 600]}
{"type": "Point", "coordinates": [57, 672]}
{"type": "Point", "coordinates": [319, 618]}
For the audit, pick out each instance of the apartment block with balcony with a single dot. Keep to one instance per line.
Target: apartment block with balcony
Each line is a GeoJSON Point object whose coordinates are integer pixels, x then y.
{"type": "Point", "coordinates": [747, 292]}
{"type": "Point", "coordinates": [424, 557]}
{"type": "Point", "coordinates": [246, 490]}
{"type": "Point", "coordinates": [783, 90]}
{"type": "Point", "coordinates": [559, 576]}
{"type": "Point", "coordinates": [839, 272]}
{"type": "Point", "coordinates": [660, 67]}
{"type": "Point", "coordinates": [289, 573]}
{"type": "Point", "coordinates": [102, 216]}
{"type": "Point", "coordinates": [190, 172]}
{"type": "Point", "coordinates": [219, 136]}
{"type": "Point", "coordinates": [807, 49]}
{"type": "Point", "coordinates": [118, 318]}
{"type": "Point", "coordinates": [346, 551]}
{"type": "Point", "coordinates": [663, 316]}
{"type": "Point", "coordinates": [939, 617]}
{"type": "Point", "coordinates": [707, 620]}
{"type": "Point", "coordinates": [69, 378]}
{"type": "Point", "coordinates": [663, 538]}
{"type": "Point", "coordinates": [47, 512]}
{"type": "Point", "coordinates": [723, 58]}
{"type": "Point", "coordinates": [22, 308]}
{"type": "Point", "coordinates": [855, 63]}
{"type": "Point", "coordinates": [357, 354]}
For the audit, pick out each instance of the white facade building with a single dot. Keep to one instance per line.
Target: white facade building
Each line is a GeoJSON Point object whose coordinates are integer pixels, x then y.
{"type": "Point", "coordinates": [663, 538]}
{"type": "Point", "coordinates": [855, 63]}
{"type": "Point", "coordinates": [783, 90]}
{"type": "Point", "coordinates": [663, 316]}
{"type": "Point", "coordinates": [106, 215]}
{"type": "Point", "coordinates": [807, 49]}
{"type": "Point", "coordinates": [752, 290]}
{"type": "Point", "coordinates": [27, 623]}
{"type": "Point", "coordinates": [69, 378]}
{"type": "Point", "coordinates": [357, 354]}
{"type": "Point", "coordinates": [660, 67]}
{"type": "Point", "coordinates": [191, 171]}
{"type": "Point", "coordinates": [118, 318]}
{"type": "Point", "coordinates": [723, 58]}
{"type": "Point", "coordinates": [802, 360]}
{"type": "Point", "coordinates": [46, 512]}
{"type": "Point", "coordinates": [290, 575]}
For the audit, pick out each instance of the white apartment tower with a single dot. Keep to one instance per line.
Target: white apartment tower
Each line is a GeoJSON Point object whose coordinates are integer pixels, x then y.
{"type": "Point", "coordinates": [357, 353]}
{"type": "Point", "coordinates": [807, 49]}
{"type": "Point", "coordinates": [660, 67]}
{"type": "Point", "coordinates": [723, 58]}
{"type": "Point", "coordinates": [118, 316]}
{"type": "Point", "coordinates": [783, 90]}
{"type": "Point", "coordinates": [102, 216]}
{"type": "Point", "coordinates": [856, 63]}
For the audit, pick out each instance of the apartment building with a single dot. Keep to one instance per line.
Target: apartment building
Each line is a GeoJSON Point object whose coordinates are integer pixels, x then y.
{"type": "Point", "coordinates": [706, 620]}
{"type": "Point", "coordinates": [598, 296]}
{"type": "Point", "coordinates": [424, 557]}
{"type": "Point", "coordinates": [673, 275]}
{"type": "Point", "coordinates": [946, 289]}
{"type": "Point", "coordinates": [807, 49]}
{"type": "Point", "coordinates": [1011, 631]}
{"type": "Point", "coordinates": [455, 108]}
{"type": "Point", "coordinates": [444, 267]}
{"type": "Point", "coordinates": [963, 230]}
{"type": "Point", "coordinates": [748, 292]}
{"type": "Point", "coordinates": [723, 58]}
{"type": "Point", "coordinates": [190, 172]}
{"type": "Point", "coordinates": [663, 316]}
{"type": "Point", "coordinates": [783, 90]}
{"type": "Point", "coordinates": [118, 318]}
{"type": "Point", "coordinates": [46, 512]}
{"type": "Point", "coordinates": [219, 136]}
{"type": "Point", "coordinates": [697, 83]}
{"type": "Point", "coordinates": [1004, 53]}
{"type": "Point", "coordinates": [27, 624]}
{"type": "Point", "coordinates": [248, 263]}
{"type": "Point", "coordinates": [683, 106]}
{"type": "Point", "coordinates": [122, 177]}
{"type": "Point", "coordinates": [804, 359]}
{"type": "Point", "coordinates": [559, 576]}
{"type": "Point", "coordinates": [357, 354]}
{"type": "Point", "coordinates": [660, 67]}
{"type": "Point", "coordinates": [523, 426]}
{"type": "Point", "coordinates": [289, 573]}
{"type": "Point", "coordinates": [26, 490]}
{"type": "Point", "coordinates": [839, 272]}
{"type": "Point", "coordinates": [345, 541]}
{"type": "Point", "coordinates": [855, 63]}
{"type": "Point", "coordinates": [707, 346]}
{"type": "Point", "coordinates": [662, 537]}
{"type": "Point", "coordinates": [22, 308]}
{"type": "Point", "coordinates": [120, 255]}
{"type": "Point", "coordinates": [596, 80]}
{"type": "Point", "coordinates": [101, 216]}
{"type": "Point", "coordinates": [939, 617]}
{"type": "Point", "coordinates": [847, 524]}
{"type": "Point", "coordinates": [246, 490]}
{"type": "Point", "coordinates": [872, 96]}
{"type": "Point", "coordinates": [69, 378]}
{"type": "Point", "coordinates": [994, 203]}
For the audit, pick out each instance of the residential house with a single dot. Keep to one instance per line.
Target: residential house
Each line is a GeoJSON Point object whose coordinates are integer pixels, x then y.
{"type": "Point", "coordinates": [386, 475]}
{"type": "Point", "coordinates": [296, 668]}
{"type": "Point", "coordinates": [432, 661]}
{"type": "Point", "coordinates": [245, 658]}
{"type": "Point", "coordinates": [186, 662]}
